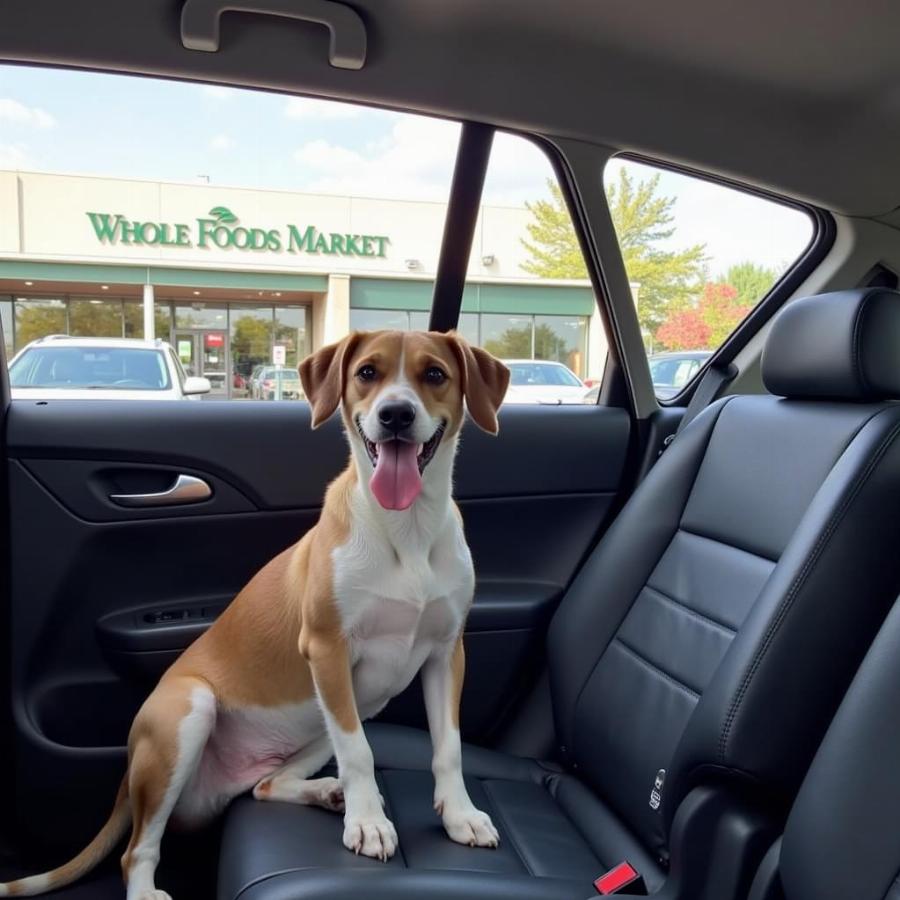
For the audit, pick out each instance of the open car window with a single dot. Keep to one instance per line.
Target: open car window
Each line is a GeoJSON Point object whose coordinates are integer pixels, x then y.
{"type": "Point", "coordinates": [242, 228]}
{"type": "Point", "coordinates": [699, 255]}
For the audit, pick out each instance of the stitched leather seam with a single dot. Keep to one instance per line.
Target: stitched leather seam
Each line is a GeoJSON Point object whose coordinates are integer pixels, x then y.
{"type": "Point", "coordinates": [656, 670]}
{"type": "Point", "coordinates": [495, 808]}
{"type": "Point", "coordinates": [388, 810]}
{"type": "Point", "coordinates": [691, 611]}
{"type": "Point", "coordinates": [855, 340]}
{"type": "Point", "coordinates": [573, 728]}
{"type": "Point", "coordinates": [799, 582]}
{"type": "Point", "coordinates": [715, 540]}
{"type": "Point", "coordinates": [890, 893]}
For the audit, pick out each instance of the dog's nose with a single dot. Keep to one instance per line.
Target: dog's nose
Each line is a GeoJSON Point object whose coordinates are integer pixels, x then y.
{"type": "Point", "coordinates": [397, 415]}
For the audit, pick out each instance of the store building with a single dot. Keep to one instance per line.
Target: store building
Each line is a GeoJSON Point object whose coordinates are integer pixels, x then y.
{"type": "Point", "coordinates": [228, 275]}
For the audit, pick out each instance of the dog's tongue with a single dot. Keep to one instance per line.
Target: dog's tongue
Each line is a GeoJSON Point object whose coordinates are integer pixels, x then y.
{"type": "Point", "coordinates": [396, 482]}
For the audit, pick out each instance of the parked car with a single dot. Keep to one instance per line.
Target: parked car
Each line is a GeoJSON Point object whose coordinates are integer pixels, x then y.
{"type": "Point", "coordinates": [267, 384]}
{"type": "Point", "coordinates": [670, 373]}
{"type": "Point", "coordinates": [253, 379]}
{"type": "Point", "coordinates": [74, 368]}
{"type": "Point", "coordinates": [542, 381]}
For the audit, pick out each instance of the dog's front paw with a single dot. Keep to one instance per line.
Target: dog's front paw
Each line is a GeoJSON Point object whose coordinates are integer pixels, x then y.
{"type": "Point", "coordinates": [371, 836]}
{"type": "Point", "coordinates": [470, 826]}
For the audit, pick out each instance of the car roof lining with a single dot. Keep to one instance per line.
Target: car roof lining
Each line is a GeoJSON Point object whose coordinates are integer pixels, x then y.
{"type": "Point", "coordinates": [787, 97]}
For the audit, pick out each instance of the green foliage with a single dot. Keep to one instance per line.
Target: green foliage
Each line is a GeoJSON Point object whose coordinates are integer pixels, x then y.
{"type": "Point", "coordinates": [33, 322]}
{"type": "Point", "coordinates": [717, 313]}
{"type": "Point", "coordinates": [643, 220]}
{"type": "Point", "coordinates": [554, 245]}
{"type": "Point", "coordinates": [751, 281]}
{"type": "Point", "coordinates": [514, 343]}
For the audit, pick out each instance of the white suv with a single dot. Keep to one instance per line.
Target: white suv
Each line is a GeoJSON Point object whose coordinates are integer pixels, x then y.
{"type": "Point", "coordinates": [58, 367]}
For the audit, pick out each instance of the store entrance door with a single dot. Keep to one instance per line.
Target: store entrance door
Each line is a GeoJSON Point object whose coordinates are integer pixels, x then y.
{"type": "Point", "coordinates": [204, 352]}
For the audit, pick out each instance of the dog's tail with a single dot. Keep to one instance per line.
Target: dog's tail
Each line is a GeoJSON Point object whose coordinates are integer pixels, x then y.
{"type": "Point", "coordinates": [97, 850]}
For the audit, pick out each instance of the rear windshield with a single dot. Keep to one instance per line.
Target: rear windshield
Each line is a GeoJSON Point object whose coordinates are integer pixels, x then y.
{"type": "Point", "coordinates": [85, 368]}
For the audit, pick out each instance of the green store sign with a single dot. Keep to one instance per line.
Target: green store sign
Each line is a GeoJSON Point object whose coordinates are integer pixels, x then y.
{"type": "Point", "coordinates": [221, 229]}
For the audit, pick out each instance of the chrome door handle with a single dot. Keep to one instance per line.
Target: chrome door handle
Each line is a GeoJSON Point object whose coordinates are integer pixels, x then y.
{"type": "Point", "coordinates": [187, 489]}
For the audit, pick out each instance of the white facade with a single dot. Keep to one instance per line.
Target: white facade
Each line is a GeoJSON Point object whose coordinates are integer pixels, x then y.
{"type": "Point", "coordinates": [62, 235]}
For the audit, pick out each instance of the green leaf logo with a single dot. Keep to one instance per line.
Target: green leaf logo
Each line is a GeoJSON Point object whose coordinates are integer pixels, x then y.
{"type": "Point", "coordinates": [223, 215]}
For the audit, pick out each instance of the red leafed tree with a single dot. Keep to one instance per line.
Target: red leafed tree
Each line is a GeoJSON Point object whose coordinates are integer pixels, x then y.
{"type": "Point", "coordinates": [684, 330]}
{"type": "Point", "coordinates": [706, 325]}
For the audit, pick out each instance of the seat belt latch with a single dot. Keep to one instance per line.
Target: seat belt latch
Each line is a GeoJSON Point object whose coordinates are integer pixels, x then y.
{"type": "Point", "coordinates": [623, 880]}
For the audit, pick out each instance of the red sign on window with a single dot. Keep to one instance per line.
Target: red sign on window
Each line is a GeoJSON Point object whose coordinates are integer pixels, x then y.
{"type": "Point", "coordinates": [214, 339]}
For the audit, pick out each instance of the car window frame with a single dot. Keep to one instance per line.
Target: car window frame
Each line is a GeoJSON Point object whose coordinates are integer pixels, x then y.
{"type": "Point", "coordinates": [824, 232]}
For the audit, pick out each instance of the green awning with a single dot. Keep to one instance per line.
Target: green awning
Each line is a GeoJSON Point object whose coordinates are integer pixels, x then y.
{"type": "Point", "coordinates": [536, 299]}
{"type": "Point", "coordinates": [161, 275]}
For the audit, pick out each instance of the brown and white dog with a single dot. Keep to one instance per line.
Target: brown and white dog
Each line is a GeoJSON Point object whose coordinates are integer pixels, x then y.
{"type": "Point", "coordinates": [327, 632]}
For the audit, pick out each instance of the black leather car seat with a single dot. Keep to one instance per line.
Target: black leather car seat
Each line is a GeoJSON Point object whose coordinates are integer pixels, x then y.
{"type": "Point", "coordinates": [842, 840]}
{"type": "Point", "coordinates": [695, 661]}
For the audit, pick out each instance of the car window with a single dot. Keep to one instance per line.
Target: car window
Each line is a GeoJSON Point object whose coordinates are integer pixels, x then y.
{"type": "Point", "coordinates": [528, 295]}
{"type": "Point", "coordinates": [73, 368]}
{"type": "Point", "coordinates": [243, 228]}
{"type": "Point", "coordinates": [699, 256]}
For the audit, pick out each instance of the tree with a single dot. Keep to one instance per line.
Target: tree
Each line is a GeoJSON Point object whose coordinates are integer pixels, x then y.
{"type": "Point", "coordinates": [250, 343]}
{"type": "Point", "coordinates": [643, 222]}
{"type": "Point", "coordinates": [705, 325]}
{"type": "Point", "coordinates": [751, 281]}
{"type": "Point", "coordinates": [684, 329]}
{"type": "Point", "coordinates": [514, 343]}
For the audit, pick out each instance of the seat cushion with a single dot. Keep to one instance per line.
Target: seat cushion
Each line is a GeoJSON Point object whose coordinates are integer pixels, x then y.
{"type": "Point", "coordinates": [556, 837]}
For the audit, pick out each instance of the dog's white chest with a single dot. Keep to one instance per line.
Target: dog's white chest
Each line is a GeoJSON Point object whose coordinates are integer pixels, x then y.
{"type": "Point", "coordinates": [397, 609]}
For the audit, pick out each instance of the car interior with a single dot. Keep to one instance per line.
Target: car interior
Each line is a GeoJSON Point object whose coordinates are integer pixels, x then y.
{"type": "Point", "coordinates": [683, 654]}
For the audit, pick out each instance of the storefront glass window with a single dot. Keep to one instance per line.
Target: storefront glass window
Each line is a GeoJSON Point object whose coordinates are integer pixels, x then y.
{"type": "Point", "coordinates": [468, 327]}
{"type": "Point", "coordinates": [562, 339]}
{"type": "Point", "coordinates": [507, 337]}
{"type": "Point", "coordinates": [37, 318]}
{"type": "Point", "coordinates": [292, 332]}
{"type": "Point", "coordinates": [200, 315]}
{"type": "Point", "coordinates": [378, 319]}
{"type": "Point", "coordinates": [134, 320]}
{"type": "Point", "coordinates": [251, 344]}
{"type": "Point", "coordinates": [6, 321]}
{"type": "Point", "coordinates": [93, 317]}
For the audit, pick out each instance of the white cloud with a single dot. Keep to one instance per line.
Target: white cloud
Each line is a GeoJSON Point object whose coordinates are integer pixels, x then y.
{"type": "Point", "coordinates": [517, 172]}
{"type": "Point", "coordinates": [14, 156]}
{"type": "Point", "coordinates": [221, 142]}
{"type": "Point", "coordinates": [20, 114]}
{"type": "Point", "coordinates": [734, 225]}
{"type": "Point", "coordinates": [217, 92]}
{"type": "Point", "coordinates": [413, 161]}
{"type": "Point", "coordinates": [308, 108]}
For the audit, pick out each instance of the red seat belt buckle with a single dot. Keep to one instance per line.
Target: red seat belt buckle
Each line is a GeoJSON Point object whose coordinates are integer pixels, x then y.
{"type": "Point", "coordinates": [624, 879]}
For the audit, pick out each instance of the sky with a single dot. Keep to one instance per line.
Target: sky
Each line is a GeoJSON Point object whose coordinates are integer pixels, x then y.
{"type": "Point", "coordinates": [113, 125]}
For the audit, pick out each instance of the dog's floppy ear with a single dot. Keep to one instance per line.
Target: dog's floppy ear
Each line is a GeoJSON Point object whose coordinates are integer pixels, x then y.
{"type": "Point", "coordinates": [484, 382]}
{"type": "Point", "coordinates": [322, 375]}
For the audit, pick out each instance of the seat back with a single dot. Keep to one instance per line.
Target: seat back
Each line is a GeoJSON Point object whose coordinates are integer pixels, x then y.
{"type": "Point", "coordinates": [842, 838]}
{"type": "Point", "coordinates": [713, 630]}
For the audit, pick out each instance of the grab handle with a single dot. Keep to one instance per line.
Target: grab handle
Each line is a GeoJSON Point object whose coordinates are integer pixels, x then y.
{"type": "Point", "coordinates": [347, 47]}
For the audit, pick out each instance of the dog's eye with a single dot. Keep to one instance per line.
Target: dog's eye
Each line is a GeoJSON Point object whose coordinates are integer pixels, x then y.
{"type": "Point", "coordinates": [434, 375]}
{"type": "Point", "coordinates": [367, 373]}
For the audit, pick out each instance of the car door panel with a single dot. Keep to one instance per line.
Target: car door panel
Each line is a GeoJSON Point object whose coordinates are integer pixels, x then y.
{"type": "Point", "coordinates": [92, 582]}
